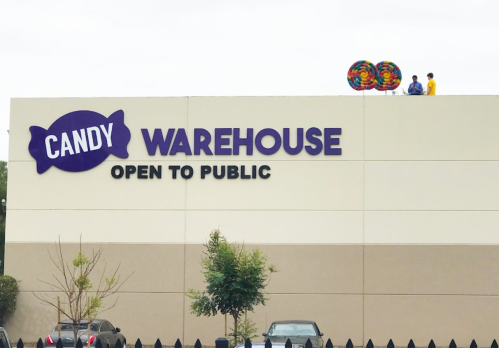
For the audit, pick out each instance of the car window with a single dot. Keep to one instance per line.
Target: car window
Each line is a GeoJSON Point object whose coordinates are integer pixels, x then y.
{"type": "Point", "coordinates": [83, 326]}
{"type": "Point", "coordinates": [111, 327]}
{"type": "Point", "coordinates": [292, 329]}
{"type": "Point", "coordinates": [104, 327]}
{"type": "Point", "coordinates": [4, 340]}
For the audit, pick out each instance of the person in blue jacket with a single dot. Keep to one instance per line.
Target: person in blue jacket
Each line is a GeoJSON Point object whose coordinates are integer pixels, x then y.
{"type": "Point", "coordinates": [415, 88]}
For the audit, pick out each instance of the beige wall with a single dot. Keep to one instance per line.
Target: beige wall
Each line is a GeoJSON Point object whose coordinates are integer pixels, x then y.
{"type": "Point", "coordinates": [397, 238]}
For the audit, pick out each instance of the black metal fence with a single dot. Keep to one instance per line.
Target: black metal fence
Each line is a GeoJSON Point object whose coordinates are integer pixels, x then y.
{"type": "Point", "coordinates": [224, 343]}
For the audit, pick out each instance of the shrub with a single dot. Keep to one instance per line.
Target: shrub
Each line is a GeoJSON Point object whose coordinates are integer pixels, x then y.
{"type": "Point", "coordinates": [245, 329]}
{"type": "Point", "coordinates": [8, 297]}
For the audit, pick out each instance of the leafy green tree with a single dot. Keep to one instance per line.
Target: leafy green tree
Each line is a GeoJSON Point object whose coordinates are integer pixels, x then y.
{"type": "Point", "coordinates": [8, 297]}
{"type": "Point", "coordinates": [3, 213]}
{"type": "Point", "coordinates": [83, 299]}
{"type": "Point", "coordinates": [235, 278]}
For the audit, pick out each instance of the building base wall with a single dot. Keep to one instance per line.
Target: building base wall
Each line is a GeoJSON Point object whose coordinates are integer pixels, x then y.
{"type": "Point", "coordinates": [357, 292]}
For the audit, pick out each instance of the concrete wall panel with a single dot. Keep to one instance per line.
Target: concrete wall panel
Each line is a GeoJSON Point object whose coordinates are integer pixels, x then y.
{"type": "Point", "coordinates": [422, 318]}
{"type": "Point", "coordinates": [152, 268]}
{"type": "Point", "coordinates": [277, 227]}
{"type": "Point", "coordinates": [335, 186]}
{"type": "Point", "coordinates": [279, 113]}
{"type": "Point", "coordinates": [432, 269]}
{"type": "Point", "coordinates": [341, 268]}
{"type": "Point", "coordinates": [444, 185]}
{"type": "Point", "coordinates": [94, 189]}
{"type": "Point", "coordinates": [443, 128]}
{"type": "Point", "coordinates": [431, 227]}
{"type": "Point", "coordinates": [122, 226]}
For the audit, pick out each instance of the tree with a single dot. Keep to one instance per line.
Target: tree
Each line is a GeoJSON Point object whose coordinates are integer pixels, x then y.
{"type": "Point", "coordinates": [3, 212]}
{"type": "Point", "coordinates": [235, 278]}
{"type": "Point", "coordinates": [82, 300]}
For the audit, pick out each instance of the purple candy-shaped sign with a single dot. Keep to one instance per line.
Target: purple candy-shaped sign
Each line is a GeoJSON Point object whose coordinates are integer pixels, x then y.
{"type": "Point", "coordinates": [79, 141]}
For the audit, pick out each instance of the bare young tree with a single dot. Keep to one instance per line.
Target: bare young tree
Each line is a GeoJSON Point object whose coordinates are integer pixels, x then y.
{"type": "Point", "coordinates": [82, 299]}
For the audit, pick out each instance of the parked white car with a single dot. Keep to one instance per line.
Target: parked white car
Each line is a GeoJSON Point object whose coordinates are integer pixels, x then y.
{"type": "Point", "coordinates": [4, 338]}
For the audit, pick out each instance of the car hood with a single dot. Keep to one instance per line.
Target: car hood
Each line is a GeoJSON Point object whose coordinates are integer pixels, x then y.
{"type": "Point", "coordinates": [295, 340]}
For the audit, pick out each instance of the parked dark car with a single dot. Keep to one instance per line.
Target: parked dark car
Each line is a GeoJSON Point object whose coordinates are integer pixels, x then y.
{"type": "Point", "coordinates": [261, 345]}
{"type": "Point", "coordinates": [5, 338]}
{"type": "Point", "coordinates": [298, 332]}
{"type": "Point", "coordinates": [100, 329]}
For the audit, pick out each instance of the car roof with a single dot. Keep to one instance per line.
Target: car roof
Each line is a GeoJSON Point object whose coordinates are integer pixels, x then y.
{"type": "Point", "coordinates": [260, 344]}
{"type": "Point", "coordinates": [84, 321]}
{"type": "Point", "coordinates": [294, 321]}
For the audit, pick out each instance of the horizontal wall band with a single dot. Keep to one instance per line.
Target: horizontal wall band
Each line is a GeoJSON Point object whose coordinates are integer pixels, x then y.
{"type": "Point", "coordinates": [259, 227]}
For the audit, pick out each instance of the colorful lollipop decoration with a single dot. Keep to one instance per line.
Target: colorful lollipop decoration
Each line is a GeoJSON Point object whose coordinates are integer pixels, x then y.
{"type": "Point", "coordinates": [389, 76]}
{"type": "Point", "coordinates": [363, 75]}
{"type": "Point", "coordinates": [383, 76]}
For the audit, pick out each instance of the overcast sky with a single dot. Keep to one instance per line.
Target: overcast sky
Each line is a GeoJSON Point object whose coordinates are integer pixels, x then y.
{"type": "Point", "coordinates": [191, 48]}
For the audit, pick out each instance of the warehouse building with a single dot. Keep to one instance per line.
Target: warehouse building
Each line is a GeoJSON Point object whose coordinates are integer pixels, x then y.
{"type": "Point", "coordinates": [381, 213]}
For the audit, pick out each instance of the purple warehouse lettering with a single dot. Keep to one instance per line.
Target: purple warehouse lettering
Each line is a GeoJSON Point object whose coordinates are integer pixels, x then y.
{"type": "Point", "coordinates": [180, 144]}
{"type": "Point", "coordinates": [221, 141]}
{"type": "Point", "coordinates": [268, 132]}
{"type": "Point", "coordinates": [329, 141]}
{"type": "Point", "coordinates": [158, 141]}
{"type": "Point", "coordinates": [299, 141]}
{"type": "Point", "coordinates": [311, 133]}
{"type": "Point", "coordinates": [238, 141]}
{"type": "Point", "coordinates": [202, 144]}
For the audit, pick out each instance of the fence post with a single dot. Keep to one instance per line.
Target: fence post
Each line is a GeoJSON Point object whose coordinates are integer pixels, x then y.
{"type": "Point", "coordinates": [432, 344]}
{"type": "Point", "coordinates": [494, 344]}
{"type": "Point", "coordinates": [39, 344]}
{"type": "Point", "coordinates": [268, 343]}
{"type": "Point", "coordinates": [473, 344]}
{"type": "Point", "coordinates": [118, 344]}
{"type": "Point", "coordinates": [290, 345]}
{"type": "Point", "coordinates": [390, 344]}
{"type": "Point", "coordinates": [329, 344]}
{"type": "Point", "coordinates": [79, 343]}
{"type": "Point", "coordinates": [20, 343]}
{"type": "Point", "coordinates": [222, 342]}
{"type": "Point", "coordinates": [198, 344]}
{"type": "Point", "coordinates": [370, 344]}
{"type": "Point", "coordinates": [452, 344]}
{"type": "Point", "coordinates": [138, 344]}
{"type": "Point", "coordinates": [247, 343]}
{"type": "Point", "coordinates": [349, 344]}
{"type": "Point", "coordinates": [158, 344]}
{"type": "Point", "coordinates": [178, 344]}
{"type": "Point", "coordinates": [411, 344]}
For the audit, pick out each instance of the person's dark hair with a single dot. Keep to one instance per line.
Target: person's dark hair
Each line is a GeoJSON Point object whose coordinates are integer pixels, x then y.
{"type": "Point", "coordinates": [414, 76]}
{"type": "Point", "coordinates": [430, 75]}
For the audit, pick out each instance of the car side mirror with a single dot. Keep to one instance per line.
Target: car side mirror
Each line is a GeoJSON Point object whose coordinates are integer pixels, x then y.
{"type": "Point", "coordinates": [321, 334]}
{"type": "Point", "coordinates": [264, 334]}
{"type": "Point", "coordinates": [118, 329]}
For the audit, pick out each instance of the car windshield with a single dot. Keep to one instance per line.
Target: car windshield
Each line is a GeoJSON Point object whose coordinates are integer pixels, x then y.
{"type": "Point", "coordinates": [292, 329]}
{"type": "Point", "coordinates": [83, 326]}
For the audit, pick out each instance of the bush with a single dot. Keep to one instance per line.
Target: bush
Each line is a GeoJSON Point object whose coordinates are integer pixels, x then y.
{"type": "Point", "coordinates": [245, 329]}
{"type": "Point", "coordinates": [8, 296]}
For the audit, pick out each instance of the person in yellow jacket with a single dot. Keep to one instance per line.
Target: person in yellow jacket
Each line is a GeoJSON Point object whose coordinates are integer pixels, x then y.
{"type": "Point", "coordinates": [432, 85]}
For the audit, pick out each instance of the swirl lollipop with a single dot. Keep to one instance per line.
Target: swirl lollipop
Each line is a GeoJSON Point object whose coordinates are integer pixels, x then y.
{"type": "Point", "coordinates": [362, 75]}
{"type": "Point", "coordinates": [390, 76]}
